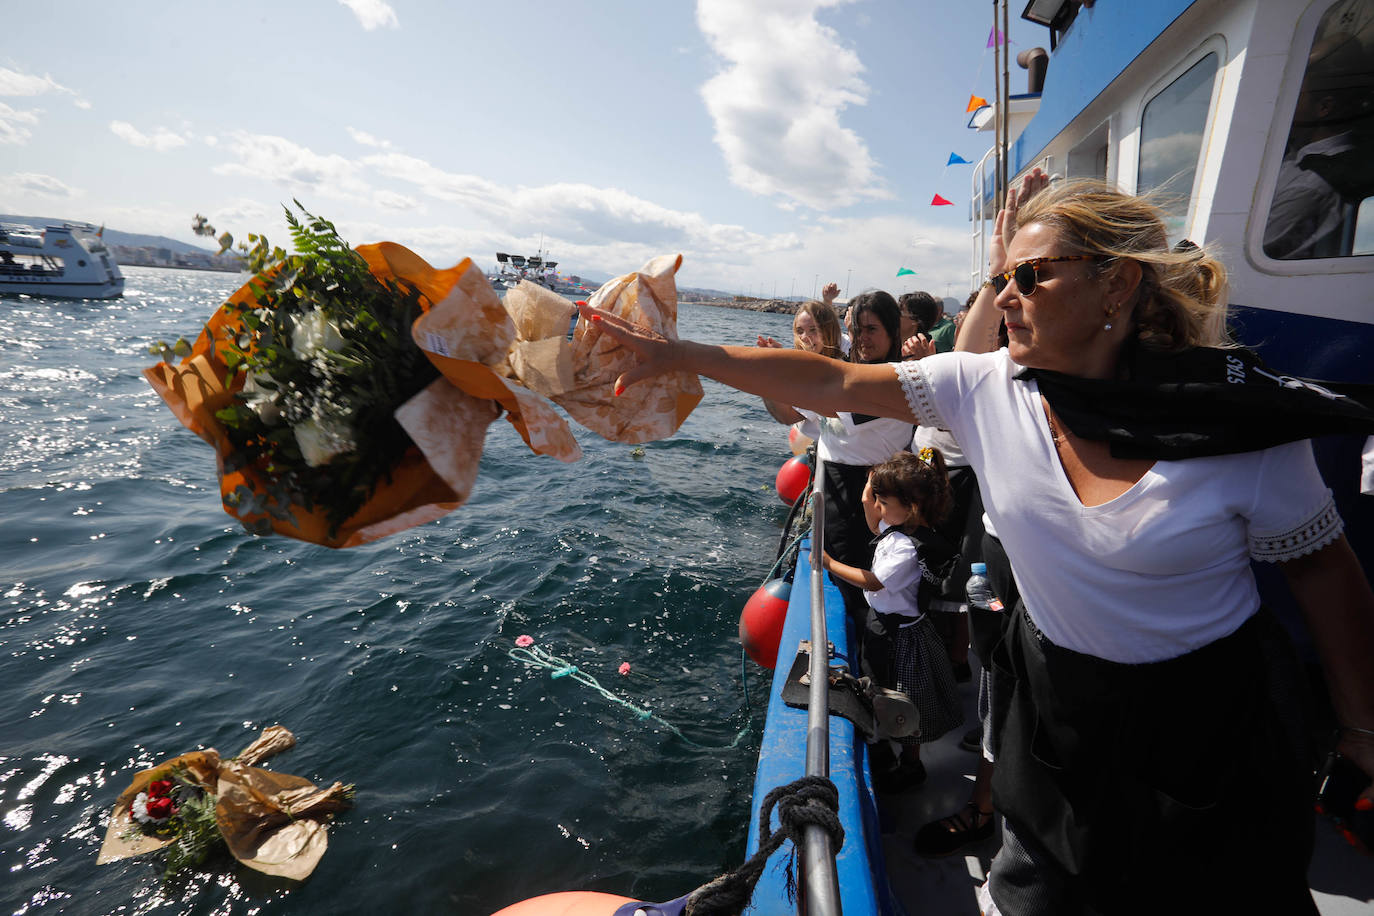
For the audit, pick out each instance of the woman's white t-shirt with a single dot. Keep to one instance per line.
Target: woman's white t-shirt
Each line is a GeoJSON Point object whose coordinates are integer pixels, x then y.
{"type": "Point", "coordinates": [858, 440]}
{"type": "Point", "coordinates": [1160, 570]}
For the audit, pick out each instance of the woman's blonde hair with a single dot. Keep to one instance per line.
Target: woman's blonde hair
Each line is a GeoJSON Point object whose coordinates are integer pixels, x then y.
{"type": "Point", "coordinates": [1181, 300]}
{"type": "Point", "coordinates": [827, 322]}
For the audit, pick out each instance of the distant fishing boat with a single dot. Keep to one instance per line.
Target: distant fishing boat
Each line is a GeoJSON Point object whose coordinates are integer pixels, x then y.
{"type": "Point", "coordinates": [68, 261]}
{"type": "Point", "coordinates": [535, 268]}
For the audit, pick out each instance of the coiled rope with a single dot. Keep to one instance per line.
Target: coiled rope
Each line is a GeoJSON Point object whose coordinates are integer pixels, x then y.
{"type": "Point", "coordinates": [561, 668]}
{"type": "Point", "coordinates": [809, 800]}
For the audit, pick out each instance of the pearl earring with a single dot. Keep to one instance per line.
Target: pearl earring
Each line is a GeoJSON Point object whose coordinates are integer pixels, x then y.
{"type": "Point", "coordinates": [1107, 326]}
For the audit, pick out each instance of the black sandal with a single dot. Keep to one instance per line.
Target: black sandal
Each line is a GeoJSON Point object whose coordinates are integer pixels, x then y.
{"type": "Point", "coordinates": [970, 824]}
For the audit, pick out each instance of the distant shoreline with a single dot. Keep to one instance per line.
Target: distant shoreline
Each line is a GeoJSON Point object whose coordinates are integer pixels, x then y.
{"type": "Point", "coordinates": [777, 306]}
{"type": "Point", "coordinates": [213, 270]}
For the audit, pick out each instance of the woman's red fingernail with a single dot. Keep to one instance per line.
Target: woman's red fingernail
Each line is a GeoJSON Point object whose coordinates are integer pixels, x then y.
{"type": "Point", "coordinates": [619, 390]}
{"type": "Point", "coordinates": [1364, 804]}
{"type": "Point", "coordinates": [596, 318]}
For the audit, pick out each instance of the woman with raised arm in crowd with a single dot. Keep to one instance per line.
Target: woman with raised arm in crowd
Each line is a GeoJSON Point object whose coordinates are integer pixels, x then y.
{"type": "Point", "coordinates": [849, 444]}
{"type": "Point", "coordinates": [1151, 757]}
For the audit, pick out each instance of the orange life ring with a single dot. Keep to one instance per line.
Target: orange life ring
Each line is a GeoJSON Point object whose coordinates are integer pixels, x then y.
{"type": "Point", "coordinates": [567, 903]}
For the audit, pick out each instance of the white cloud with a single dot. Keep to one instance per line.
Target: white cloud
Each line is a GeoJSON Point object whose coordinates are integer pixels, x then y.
{"type": "Point", "coordinates": [373, 14]}
{"type": "Point", "coordinates": [12, 82]}
{"type": "Point", "coordinates": [777, 103]}
{"type": "Point", "coordinates": [12, 121]}
{"type": "Point", "coordinates": [161, 139]}
{"type": "Point", "coordinates": [296, 167]}
{"type": "Point", "coordinates": [390, 200]}
{"type": "Point", "coordinates": [366, 139]}
{"type": "Point", "coordinates": [82, 104]}
{"type": "Point", "coordinates": [33, 184]}
{"type": "Point", "coordinates": [589, 230]}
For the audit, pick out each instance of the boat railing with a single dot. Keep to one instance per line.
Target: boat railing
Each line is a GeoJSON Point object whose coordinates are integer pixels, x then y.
{"type": "Point", "coordinates": [821, 883]}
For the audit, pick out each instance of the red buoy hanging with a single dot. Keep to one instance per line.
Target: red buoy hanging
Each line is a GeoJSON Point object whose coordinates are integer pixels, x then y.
{"type": "Point", "coordinates": [793, 479]}
{"type": "Point", "coordinates": [760, 623]}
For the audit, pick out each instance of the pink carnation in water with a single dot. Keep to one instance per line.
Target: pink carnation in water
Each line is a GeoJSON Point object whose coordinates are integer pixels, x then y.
{"type": "Point", "coordinates": [524, 641]}
{"type": "Point", "coordinates": [624, 667]}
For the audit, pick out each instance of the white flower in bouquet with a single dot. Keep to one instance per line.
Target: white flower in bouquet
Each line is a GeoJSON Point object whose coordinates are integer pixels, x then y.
{"type": "Point", "coordinates": [315, 333]}
{"type": "Point", "coordinates": [321, 438]}
{"type": "Point", "coordinates": [262, 400]}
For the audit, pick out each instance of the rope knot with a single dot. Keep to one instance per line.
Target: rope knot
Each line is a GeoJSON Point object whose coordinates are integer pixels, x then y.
{"type": "Point", "coordinates": [809, 800]}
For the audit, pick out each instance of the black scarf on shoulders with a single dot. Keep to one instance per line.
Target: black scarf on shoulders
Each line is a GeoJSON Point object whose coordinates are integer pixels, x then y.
{"type": "Point", "coordinates": [1201, 401]}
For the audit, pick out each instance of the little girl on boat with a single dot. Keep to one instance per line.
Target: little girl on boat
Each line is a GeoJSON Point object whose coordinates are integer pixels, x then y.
{"type": "Point", "coordinates": [906, 496]}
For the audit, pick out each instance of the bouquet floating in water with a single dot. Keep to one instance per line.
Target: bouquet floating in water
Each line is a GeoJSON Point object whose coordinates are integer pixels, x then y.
{"type": "Point", "coordinates": [347, 392]}
{"type": "Point", "coordinates": [195, 803]}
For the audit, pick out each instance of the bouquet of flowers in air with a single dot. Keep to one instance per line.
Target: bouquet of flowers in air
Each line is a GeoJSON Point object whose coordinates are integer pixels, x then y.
{"type": "Point", "coordinates": [347, 391]}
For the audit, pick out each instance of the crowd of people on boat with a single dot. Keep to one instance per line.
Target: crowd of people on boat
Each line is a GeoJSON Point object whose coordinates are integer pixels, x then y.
{"type": "Point", "coordinates": [1087, 430]}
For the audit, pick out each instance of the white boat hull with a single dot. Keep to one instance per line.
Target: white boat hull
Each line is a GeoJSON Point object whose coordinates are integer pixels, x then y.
{"type": "Point", "coordinates": [61, 289]}
{"type": "Point", "coordinates": [57, 262]}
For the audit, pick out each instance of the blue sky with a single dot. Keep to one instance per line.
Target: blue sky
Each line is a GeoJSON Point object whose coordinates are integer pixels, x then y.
{"type": "Point", "coordinates": [776, 144]}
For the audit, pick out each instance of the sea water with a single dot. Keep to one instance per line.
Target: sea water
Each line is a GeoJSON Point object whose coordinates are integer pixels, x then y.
{"type": "Point", "coordinates": [139, 622]}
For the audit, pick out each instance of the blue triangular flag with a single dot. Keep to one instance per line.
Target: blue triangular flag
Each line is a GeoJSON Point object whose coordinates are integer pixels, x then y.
{"type": "Point", "coordinates": [956, 159]}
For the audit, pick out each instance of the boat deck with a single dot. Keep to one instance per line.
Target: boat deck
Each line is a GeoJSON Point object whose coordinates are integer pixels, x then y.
{"type": "Point", "coordinates": [1342, 879]}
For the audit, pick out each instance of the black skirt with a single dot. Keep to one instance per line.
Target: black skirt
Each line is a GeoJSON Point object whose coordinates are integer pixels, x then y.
{"type": "Point", "coordinates": [1176, 786]}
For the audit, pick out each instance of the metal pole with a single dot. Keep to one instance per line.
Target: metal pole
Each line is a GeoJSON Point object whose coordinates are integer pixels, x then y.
{"type": "Point", "coordinates": [821, 882]}
{"type": "Point", "coordinates": [1005, 110]}
{"type": "Point", "coordinates": [997, 111]}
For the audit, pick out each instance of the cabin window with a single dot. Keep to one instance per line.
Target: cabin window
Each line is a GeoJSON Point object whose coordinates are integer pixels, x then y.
{"type": "Point", "coordinates": [1172, 128]}
{"type": "Point", "coordinates": [1322, 205]}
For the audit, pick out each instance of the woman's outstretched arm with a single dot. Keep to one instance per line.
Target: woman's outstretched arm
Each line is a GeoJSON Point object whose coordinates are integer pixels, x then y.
{"type": "Point", "coordinates": [791, 376]}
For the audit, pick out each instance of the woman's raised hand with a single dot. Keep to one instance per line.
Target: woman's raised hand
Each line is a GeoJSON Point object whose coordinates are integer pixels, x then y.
{"type": "Point", "coordinates": [1004, 229]}
{"type": "Point", "coordinates": [917, 346]}
{"type": "Point", "coordinates": [655, 353]}
{"type": "Point", "coordinates": [764, 341]}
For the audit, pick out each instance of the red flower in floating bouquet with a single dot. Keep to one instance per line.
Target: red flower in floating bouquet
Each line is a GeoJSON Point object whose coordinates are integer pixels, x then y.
{"type": "Point", "coordinates": [159, 809]}
{"type": "Point", "coordinates": [159, 787]}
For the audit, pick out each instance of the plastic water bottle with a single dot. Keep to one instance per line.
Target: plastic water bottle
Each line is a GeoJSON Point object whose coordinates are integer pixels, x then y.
{"type": "Point", "coordinates": [979, 591]}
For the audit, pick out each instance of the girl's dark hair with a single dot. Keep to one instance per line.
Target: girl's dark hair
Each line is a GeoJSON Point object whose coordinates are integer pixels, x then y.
{"type": "Point", "coordinates": [884, 308]}
{"type": "Point", "coordinates": [914, 482]}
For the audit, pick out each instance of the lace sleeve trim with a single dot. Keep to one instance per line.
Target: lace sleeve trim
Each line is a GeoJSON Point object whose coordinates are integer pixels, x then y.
{"type": "Point", "coordinates": [1314, 534]}
{"type": "Point", "coordinates": [919, 396]}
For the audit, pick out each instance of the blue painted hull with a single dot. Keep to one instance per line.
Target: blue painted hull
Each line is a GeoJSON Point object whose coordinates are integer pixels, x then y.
{"type": "Point", "coordinates": [782, 759]}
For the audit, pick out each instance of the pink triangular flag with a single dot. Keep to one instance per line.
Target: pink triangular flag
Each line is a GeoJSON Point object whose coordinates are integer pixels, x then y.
{"type": "Point", "coordinates": [995, 37]}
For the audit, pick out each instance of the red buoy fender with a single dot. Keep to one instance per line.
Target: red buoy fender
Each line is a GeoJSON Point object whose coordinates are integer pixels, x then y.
{"type": "Point", "coordinates": [797, 442]}
{"type": "Point", "coordinates": [760, 623]}
{"type": "Point", "coordinates": [793, 479]}
{"type": "Point", "coordinates": [567, 903]}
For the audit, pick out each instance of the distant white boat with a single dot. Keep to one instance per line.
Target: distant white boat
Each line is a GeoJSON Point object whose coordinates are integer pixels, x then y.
{"type": "Point", "coordinates": [68, 261]}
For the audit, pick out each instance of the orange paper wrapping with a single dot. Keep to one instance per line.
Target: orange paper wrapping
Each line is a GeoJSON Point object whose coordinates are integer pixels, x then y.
{"type": "Point", "coordinates": [489, 353]}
